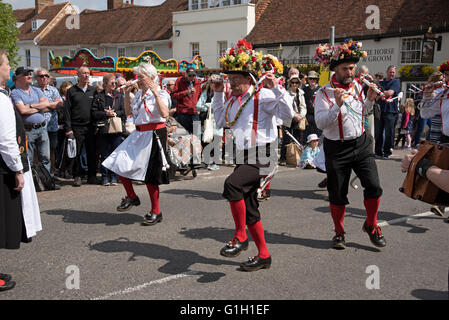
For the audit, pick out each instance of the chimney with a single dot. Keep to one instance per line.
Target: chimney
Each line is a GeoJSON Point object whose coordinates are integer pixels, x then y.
{"type": "Point", "coordinates": [114, 4]}
{"type": "Point", "coordinates": [40, 4]}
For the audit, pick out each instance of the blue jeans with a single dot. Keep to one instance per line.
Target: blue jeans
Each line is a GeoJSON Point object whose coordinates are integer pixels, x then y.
{"type": "Point", "coordinates": [421, 124]}
{"type": "Point", "coordinates": [38, 140]}
{"type": "Point", "coordinates": [384, 131]}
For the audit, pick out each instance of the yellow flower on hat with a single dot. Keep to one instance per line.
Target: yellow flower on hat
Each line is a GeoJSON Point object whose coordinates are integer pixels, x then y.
{"type": "Point", "coordinates": [243, 58]}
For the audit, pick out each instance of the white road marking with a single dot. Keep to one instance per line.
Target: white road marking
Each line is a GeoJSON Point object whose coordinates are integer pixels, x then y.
{"type": "Point", "coordinates": [145, 285]}
{"type": "Point", "coordinates": [404, 219]}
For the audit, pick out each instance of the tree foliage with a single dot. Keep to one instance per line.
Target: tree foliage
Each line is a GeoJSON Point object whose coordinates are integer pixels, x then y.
{"type": "Point", "coordinates": [8, 33]}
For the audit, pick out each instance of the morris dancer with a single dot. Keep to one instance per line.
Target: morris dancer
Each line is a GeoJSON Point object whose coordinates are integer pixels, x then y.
{"type": "Point", "coordinates": [142, 155]}
{"type": "Point", "coordinates": [436, 101]}
{"type": "Point", "coordinates": [340, 109]}
{"type": "Point", "coordinates": [250, 112]}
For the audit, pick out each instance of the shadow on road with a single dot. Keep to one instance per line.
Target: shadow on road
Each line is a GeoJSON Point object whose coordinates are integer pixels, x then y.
{"type": "Point", "coordinates": [320, 194]}
{"type": "Point", "coordinates": [425, 294]}
{"type": "Point", "coordinates": [106, 218]}
{"type": "Point", "coordinates": [224, 235]}
{"type": "Point", "coordinates": [189, 193]}
{"type": "Point", "coordinates": [179, 261]}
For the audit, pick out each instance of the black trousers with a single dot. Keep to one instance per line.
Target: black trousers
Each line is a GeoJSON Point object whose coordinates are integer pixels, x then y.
{"type": "Point", "coordinates": [245, 180]}
{"type": "Point", "coordinates": [344, 156]}
{"type": "Point", "coordinates": [85, 135]}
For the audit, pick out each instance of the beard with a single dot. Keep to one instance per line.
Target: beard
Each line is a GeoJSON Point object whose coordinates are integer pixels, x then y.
{"type": "Point", "coordinates": [345, 79]}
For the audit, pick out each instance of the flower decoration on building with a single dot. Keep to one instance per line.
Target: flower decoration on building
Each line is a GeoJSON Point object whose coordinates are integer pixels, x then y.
{"type": "Point", "coordinates": [415, 71]}
{"type": "Point", "coordinates": [328, 55]}
{"type": "Point", "coordinates": [444, 66]}
{"type": "Point", "coordinates": [242, 57]}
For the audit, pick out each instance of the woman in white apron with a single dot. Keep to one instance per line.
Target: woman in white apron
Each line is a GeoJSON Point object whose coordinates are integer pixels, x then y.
{"type": "Point", "coordinates": [142, 156]}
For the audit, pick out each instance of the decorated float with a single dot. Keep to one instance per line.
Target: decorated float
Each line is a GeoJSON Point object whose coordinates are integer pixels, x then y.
{"type": "Point", "coordinates": [124, 65]}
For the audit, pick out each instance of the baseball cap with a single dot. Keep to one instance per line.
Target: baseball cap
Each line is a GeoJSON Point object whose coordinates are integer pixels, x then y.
{"type": "Point", "coordinates": [22, 70]}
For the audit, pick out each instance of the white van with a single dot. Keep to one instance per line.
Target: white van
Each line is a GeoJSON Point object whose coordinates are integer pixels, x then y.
{"type": "Point", "coordinates": [74, 79]}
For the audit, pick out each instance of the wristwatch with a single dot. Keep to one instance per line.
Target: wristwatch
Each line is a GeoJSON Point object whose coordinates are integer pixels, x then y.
{"type": "Point", "coordinates": [31, 106]}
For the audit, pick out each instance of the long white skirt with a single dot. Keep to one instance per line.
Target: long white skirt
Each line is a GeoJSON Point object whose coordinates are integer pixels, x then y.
{"type": "Point", "coordinates": [131, 158]}
{"type": "Point", "coordinates": [30, 206]}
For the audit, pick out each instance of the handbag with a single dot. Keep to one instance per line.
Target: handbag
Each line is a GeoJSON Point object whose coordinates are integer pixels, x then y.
{"type": "Point", "coordinates": [208, 134]}
{"type": "Point", "coordinates": [293, 154]}
{"type": "Point", "coordinates": [115, 125]}
{"type": "Point", "coordinates": [302, 124]}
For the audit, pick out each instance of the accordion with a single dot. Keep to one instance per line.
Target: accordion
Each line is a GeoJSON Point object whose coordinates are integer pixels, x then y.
{"type": "Point", "coordinates": [419, 188]}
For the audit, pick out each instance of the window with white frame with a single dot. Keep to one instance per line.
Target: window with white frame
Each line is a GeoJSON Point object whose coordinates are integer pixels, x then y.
{"type": "Point", "coordinates": [221, 46]}
{"type": "Point", "coordinates": [28, 57]}
{"type": "Point", "coordinates": [195, 48]}
{"type": "Point", "coordinates": [199, 4]}
{"type": "Point", "coordinates": [411, 50]}
{"type": "Point", "coordinates": [304, 54]}
{"type": "Point", "coordinates": [121, 52]}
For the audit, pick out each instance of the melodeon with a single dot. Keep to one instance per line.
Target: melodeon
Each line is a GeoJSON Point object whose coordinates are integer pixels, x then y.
{"type": "Point", "coordinates": [419, 188]}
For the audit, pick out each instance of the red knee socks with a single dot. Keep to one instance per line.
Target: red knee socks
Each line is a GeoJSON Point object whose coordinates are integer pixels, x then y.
{"type": "Point", "coordinates": [153, 190]}
{"type": "Point", "coordinates": [127, 183]}
{"type": "Point", "coordinates": [338, 215]}
{"type": "Point", "coordinates": [372, 207]}
{"type": "Point", "coordinates": [257, 232]}
{"type": "Point", "coordinates": [238, 209]}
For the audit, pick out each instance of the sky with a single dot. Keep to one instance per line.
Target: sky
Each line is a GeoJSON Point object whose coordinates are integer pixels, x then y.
{"type": "Point", "coordinates": [81, 4]}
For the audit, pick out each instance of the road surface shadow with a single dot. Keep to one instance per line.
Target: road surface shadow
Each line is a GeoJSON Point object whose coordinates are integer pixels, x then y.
{"type": "Point", "coordinates": [86, 217]}
{"type": "Point", "coordinates": [320, 194]}
{"type": "Point", "coordinates": [382, 215]}
{"type": "Point", "coordinates": [224, 235]}
{"type": "Point", "coordinates": [425, 294]}
{"type": "Point", "coordinates": [189, 193]}
{"type": "Point", "coordinates": [179, 261]}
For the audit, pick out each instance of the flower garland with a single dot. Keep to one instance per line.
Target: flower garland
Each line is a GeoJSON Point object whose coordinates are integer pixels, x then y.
{"type": "Point", "coordinates": [326, 53]}
{"type": "Point", "coordinates": [444, 66]}
{"type": "Point", "coordinates": [237, 116]}
{"type": "Point", "coordinates": [271, 64]}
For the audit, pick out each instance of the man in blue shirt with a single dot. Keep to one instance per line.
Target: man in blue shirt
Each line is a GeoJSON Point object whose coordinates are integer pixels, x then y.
{"type": "Point", "coordinates": [55, 102]}
{"type": "Point", "coordinates": [31, 104]}
{"type": "Point", "coordinates": [384, 127]}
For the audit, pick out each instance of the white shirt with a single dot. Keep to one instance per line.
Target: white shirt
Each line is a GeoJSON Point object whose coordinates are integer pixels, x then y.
{"type": "Point", "coordinates": [273, 103]}
{"type": "Point", "coordinates": [327, 110]}
{"type": "Point", "coordinates": [433, 106]}
{"type": "Point", "coordinates": [141, 116]}
{"type": "Point", "coordinates": [9, 149]}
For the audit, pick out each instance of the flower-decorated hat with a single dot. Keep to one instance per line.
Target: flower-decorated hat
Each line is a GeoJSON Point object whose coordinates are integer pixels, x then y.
{"type": "Point", "coordinates": [271, 63]}
{"type": "Point", "coordinates": [241, 59]}
{"type": "Point", "coordinates": [444, 66]}
{"type": "Point", "coordinates": [332, 56]}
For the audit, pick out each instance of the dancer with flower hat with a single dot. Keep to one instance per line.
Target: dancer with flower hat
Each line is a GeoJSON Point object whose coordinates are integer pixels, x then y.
{"type": "Point", "coordinates": [250, 112]}
{"type": "Point", "coordinates": [340, 111]}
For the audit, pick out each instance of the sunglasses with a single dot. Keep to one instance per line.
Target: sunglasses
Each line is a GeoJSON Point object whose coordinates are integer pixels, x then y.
{"type": "Point", "coordinates": [43, 76]}
{"type": "Point", "coordinates": [294, 82]}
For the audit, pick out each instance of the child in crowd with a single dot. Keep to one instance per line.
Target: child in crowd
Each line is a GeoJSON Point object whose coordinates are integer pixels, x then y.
{"type": "Point", "coordinates": [408, 112]}
{"type": "Point", "coordinates": [310, 152]}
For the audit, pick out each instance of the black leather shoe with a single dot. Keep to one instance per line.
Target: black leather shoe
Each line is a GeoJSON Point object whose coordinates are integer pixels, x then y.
{"type": "Point", "coordinates": [5, 277]}
{"type": "Point", "coordinates": [375, 235]}
{"type": "Point", "coordinates": [127, 203]}
{"type": "Point", "coordinates": [234, 247]}
{"type": "Point", "coordinates": [338, 242]}
{"type": "Point", "coordinates": [256, 263]}
{"type": "Point", "coordinates": [151, 218]}
{"type": "Point", "coordinates": [8, 285]}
